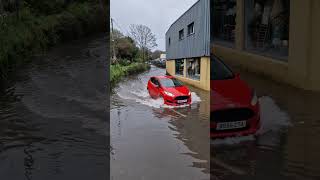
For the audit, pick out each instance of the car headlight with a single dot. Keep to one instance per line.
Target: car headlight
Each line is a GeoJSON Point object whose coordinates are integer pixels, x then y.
{"type": "Point", "coordinates": [254, 98]}
{"type": "Point", "coordinates": [168, 93]}
{"type": "Point", "coordinates": [189, 94]}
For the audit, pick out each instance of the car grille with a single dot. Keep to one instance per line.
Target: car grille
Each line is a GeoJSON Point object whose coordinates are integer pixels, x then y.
{"type": "Point", "coordinates": [229, 115]}
{"type": "Point", "coordinates": [181, 97]}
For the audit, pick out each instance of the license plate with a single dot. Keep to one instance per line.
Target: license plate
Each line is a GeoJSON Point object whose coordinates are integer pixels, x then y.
{"type": "Point", "coordinates": [231, 125]}
{"type": "Point", "coordinates": [182, 101]}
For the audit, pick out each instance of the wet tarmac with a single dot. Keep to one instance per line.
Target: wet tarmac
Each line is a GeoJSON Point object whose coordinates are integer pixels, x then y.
{"type": "Point", "coordinates": [53, 120]}
{"type": "Point", "coordinates": [287, 146]}
{"type": "Point", "coordinates": [152, 141]}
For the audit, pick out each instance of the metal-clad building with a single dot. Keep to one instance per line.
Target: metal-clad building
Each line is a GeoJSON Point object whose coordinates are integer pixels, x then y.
{"type": "Point", "coordinates": [196, 44]}
{"type": "Point", "coordinates": [188, 46]}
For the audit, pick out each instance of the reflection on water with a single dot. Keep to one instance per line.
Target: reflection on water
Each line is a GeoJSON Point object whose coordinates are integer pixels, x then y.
{"type": "Point", "coordinates": [53, 123]}
{"type": "Point", "coordinates": [287, 145]}
{"type": "Point", "coordinates": [152, 141]}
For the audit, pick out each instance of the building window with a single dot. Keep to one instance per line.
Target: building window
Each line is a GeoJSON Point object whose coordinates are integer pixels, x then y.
{"type": "Point", "coordinates": [193, 68]}
{"type": "Point", "coordinates": [191, 28]}
{"type": "Point", "coordinates": [223, 21]}
{"type": "Point", "coordinates": [267, 27]}
{"type": "Point", "coordinates": [179, 66]}
{"type": "Point", "coordinates": [181, 34]}
{"type": "Point", "coordinates": [169, 41]}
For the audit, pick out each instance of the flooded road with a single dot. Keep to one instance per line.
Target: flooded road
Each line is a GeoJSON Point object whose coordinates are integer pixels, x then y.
{"type": "Point", "coordinates": [287, 146]}
{"type": "Point", "coordinates": [53, 120]}
{"type": "Point", "coordinates": [152, 141]}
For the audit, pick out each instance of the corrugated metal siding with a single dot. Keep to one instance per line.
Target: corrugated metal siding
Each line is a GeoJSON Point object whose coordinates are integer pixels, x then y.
{"type": "Point", "coordinates": [195, 45]}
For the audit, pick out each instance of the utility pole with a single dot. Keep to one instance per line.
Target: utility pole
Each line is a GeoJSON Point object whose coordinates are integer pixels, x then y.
{"type": "Point", "coordinates": [114, 58]}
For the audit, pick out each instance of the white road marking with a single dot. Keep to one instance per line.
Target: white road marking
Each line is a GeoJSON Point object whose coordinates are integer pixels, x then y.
{"type": "Point", "coordinates": [227, 167]}
{"type": "Point", "coordinates": [178, 113]}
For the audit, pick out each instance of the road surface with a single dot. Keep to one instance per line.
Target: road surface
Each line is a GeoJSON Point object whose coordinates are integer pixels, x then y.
{"type": "Point", "coordinates": [153, 141]}
{"type": "Point", "coordinates": [53, 120]}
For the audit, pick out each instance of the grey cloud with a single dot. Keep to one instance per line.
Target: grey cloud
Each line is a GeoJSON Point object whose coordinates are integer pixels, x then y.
{"type": "Point", "coordinates": [157, 14]}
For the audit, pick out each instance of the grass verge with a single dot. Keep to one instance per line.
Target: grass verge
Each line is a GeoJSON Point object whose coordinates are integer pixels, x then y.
{"type": "Point", "coordinates": [28, 33]}
{"type": "Point", "coordinates": [117, 72]}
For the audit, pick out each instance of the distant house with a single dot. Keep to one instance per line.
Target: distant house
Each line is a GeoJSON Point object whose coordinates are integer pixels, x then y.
{"type": "Point", "coordinates": [163, 56]}
{"type": "Point", "coordinates": [188, 46]}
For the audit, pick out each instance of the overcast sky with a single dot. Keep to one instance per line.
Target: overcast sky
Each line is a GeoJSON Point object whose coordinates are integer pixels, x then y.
{"type": "Point", "coordinates": [156, 14]}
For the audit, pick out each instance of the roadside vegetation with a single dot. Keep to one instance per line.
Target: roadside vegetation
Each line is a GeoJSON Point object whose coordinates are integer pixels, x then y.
{"type": "Point", "coordinates": [129, 54]}
{"type": "Point", "coordinates": [30, 27]}
{"type": "Point", "coordinates": [119, 71]}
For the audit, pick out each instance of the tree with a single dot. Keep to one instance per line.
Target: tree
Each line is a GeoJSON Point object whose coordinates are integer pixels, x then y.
{"type": "Point", "coordinates": [1, 7]}
{"type": "Point", "coordinates": [143, 37]}
{"type": "Point", "coordinates": [116, 34]}
{"type": "Point", "coordinates": [126, 48]}
{"type": "Point", "coordinates": [156, 54]}
{"type": "Point", "coordinates": [9, 5]}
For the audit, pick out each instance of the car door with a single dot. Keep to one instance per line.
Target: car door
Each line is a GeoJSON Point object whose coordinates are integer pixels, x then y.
{"type": "Point", "coordinates": [152, 88]}
{"type": "Point", "coordinates": [156, 87]}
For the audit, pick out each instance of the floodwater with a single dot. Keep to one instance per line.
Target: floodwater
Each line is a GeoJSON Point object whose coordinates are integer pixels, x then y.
{"type": "Point", "coordinates": [286, 147]}
{"type": "Point", "coordinates": [153, 141]}
{"type": "Point", "coordinates": [53, 120]}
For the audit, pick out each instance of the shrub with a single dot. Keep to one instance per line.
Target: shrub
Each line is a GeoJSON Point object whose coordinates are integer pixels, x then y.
{"type": "Point", "coordinates": [30, 33]}
{"type": "Point", "coordinates": [117, 71]}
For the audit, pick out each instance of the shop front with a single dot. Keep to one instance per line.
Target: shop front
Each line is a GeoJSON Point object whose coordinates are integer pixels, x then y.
{"type": "Point", "coordinates": [276, 38]}
{"type": "Point", "coordinates": [193, 71]}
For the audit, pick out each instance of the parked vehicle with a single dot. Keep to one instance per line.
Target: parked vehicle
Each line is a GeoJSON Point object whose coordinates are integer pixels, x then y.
{"type": "Point", "coordinates": [170, 89]}
{"type": "Point", "coordinates": [234, 105]}
{"type": "Point", "coordinates": [159, 62]}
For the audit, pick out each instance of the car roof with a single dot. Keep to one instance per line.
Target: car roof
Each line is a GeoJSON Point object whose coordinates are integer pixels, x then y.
{"type": "Point", "coordinates": [163, 77]}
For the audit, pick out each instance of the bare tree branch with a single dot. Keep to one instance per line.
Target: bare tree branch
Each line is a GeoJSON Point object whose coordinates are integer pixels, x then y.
{"type": "Point", "coordinates": [143, 37]}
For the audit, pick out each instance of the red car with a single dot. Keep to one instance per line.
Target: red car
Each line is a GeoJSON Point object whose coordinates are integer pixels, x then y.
{"type": "Point", "coordinates": [234, 105]}
{"type": "Point", "coordinates": [172, 91]}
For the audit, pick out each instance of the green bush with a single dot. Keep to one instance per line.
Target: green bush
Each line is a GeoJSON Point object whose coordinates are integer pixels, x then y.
{"type": "Point", "coordinates": [124, 62]}
{"type": "Point", "coordinates": [117, 71]}
{"type": "Point", "coordinates": [29, 33]}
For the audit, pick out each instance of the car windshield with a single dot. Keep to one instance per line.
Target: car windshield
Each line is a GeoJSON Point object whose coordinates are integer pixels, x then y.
{"type": "Point", "coordinates": [170, 82]}
{"type": "Point", "coordinates": [219, 71]}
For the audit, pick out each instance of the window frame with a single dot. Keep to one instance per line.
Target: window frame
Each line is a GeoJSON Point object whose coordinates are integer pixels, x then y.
{"type": "Point", "coordinates": [227, 68]}
{"type": "Point", "coordinates": [152, 80]}
{"type": "Point", "coordinates": [183, 62]}
{"type": "Point", "coordinates": [181, 32]}
{"type": "Point", "coordinates": [263, 47]}
{"type": "Point", "coordinates": [191, 33]}
{"type": "Point", "coordinates": [226, 35]}
{"type": "Point", "coordinates": [194, 59]}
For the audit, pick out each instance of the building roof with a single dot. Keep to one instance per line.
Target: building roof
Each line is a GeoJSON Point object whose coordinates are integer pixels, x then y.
{"type": "Point", "coordinates": [183, 15]}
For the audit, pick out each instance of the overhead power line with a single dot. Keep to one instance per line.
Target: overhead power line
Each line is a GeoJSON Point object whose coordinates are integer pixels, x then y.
{"type": "Point", "coordinates": [120, 27]}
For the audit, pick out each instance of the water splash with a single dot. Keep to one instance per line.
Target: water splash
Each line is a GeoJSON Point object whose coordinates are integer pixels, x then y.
{"type": "Point", "coordinates": [272, 117]}
{"type": "Point", "coordinates": [232, 140]}
{"type": "Point", "coordinates": [135, 89]}
{"type": "Point", "coordinates": [142, 96]}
